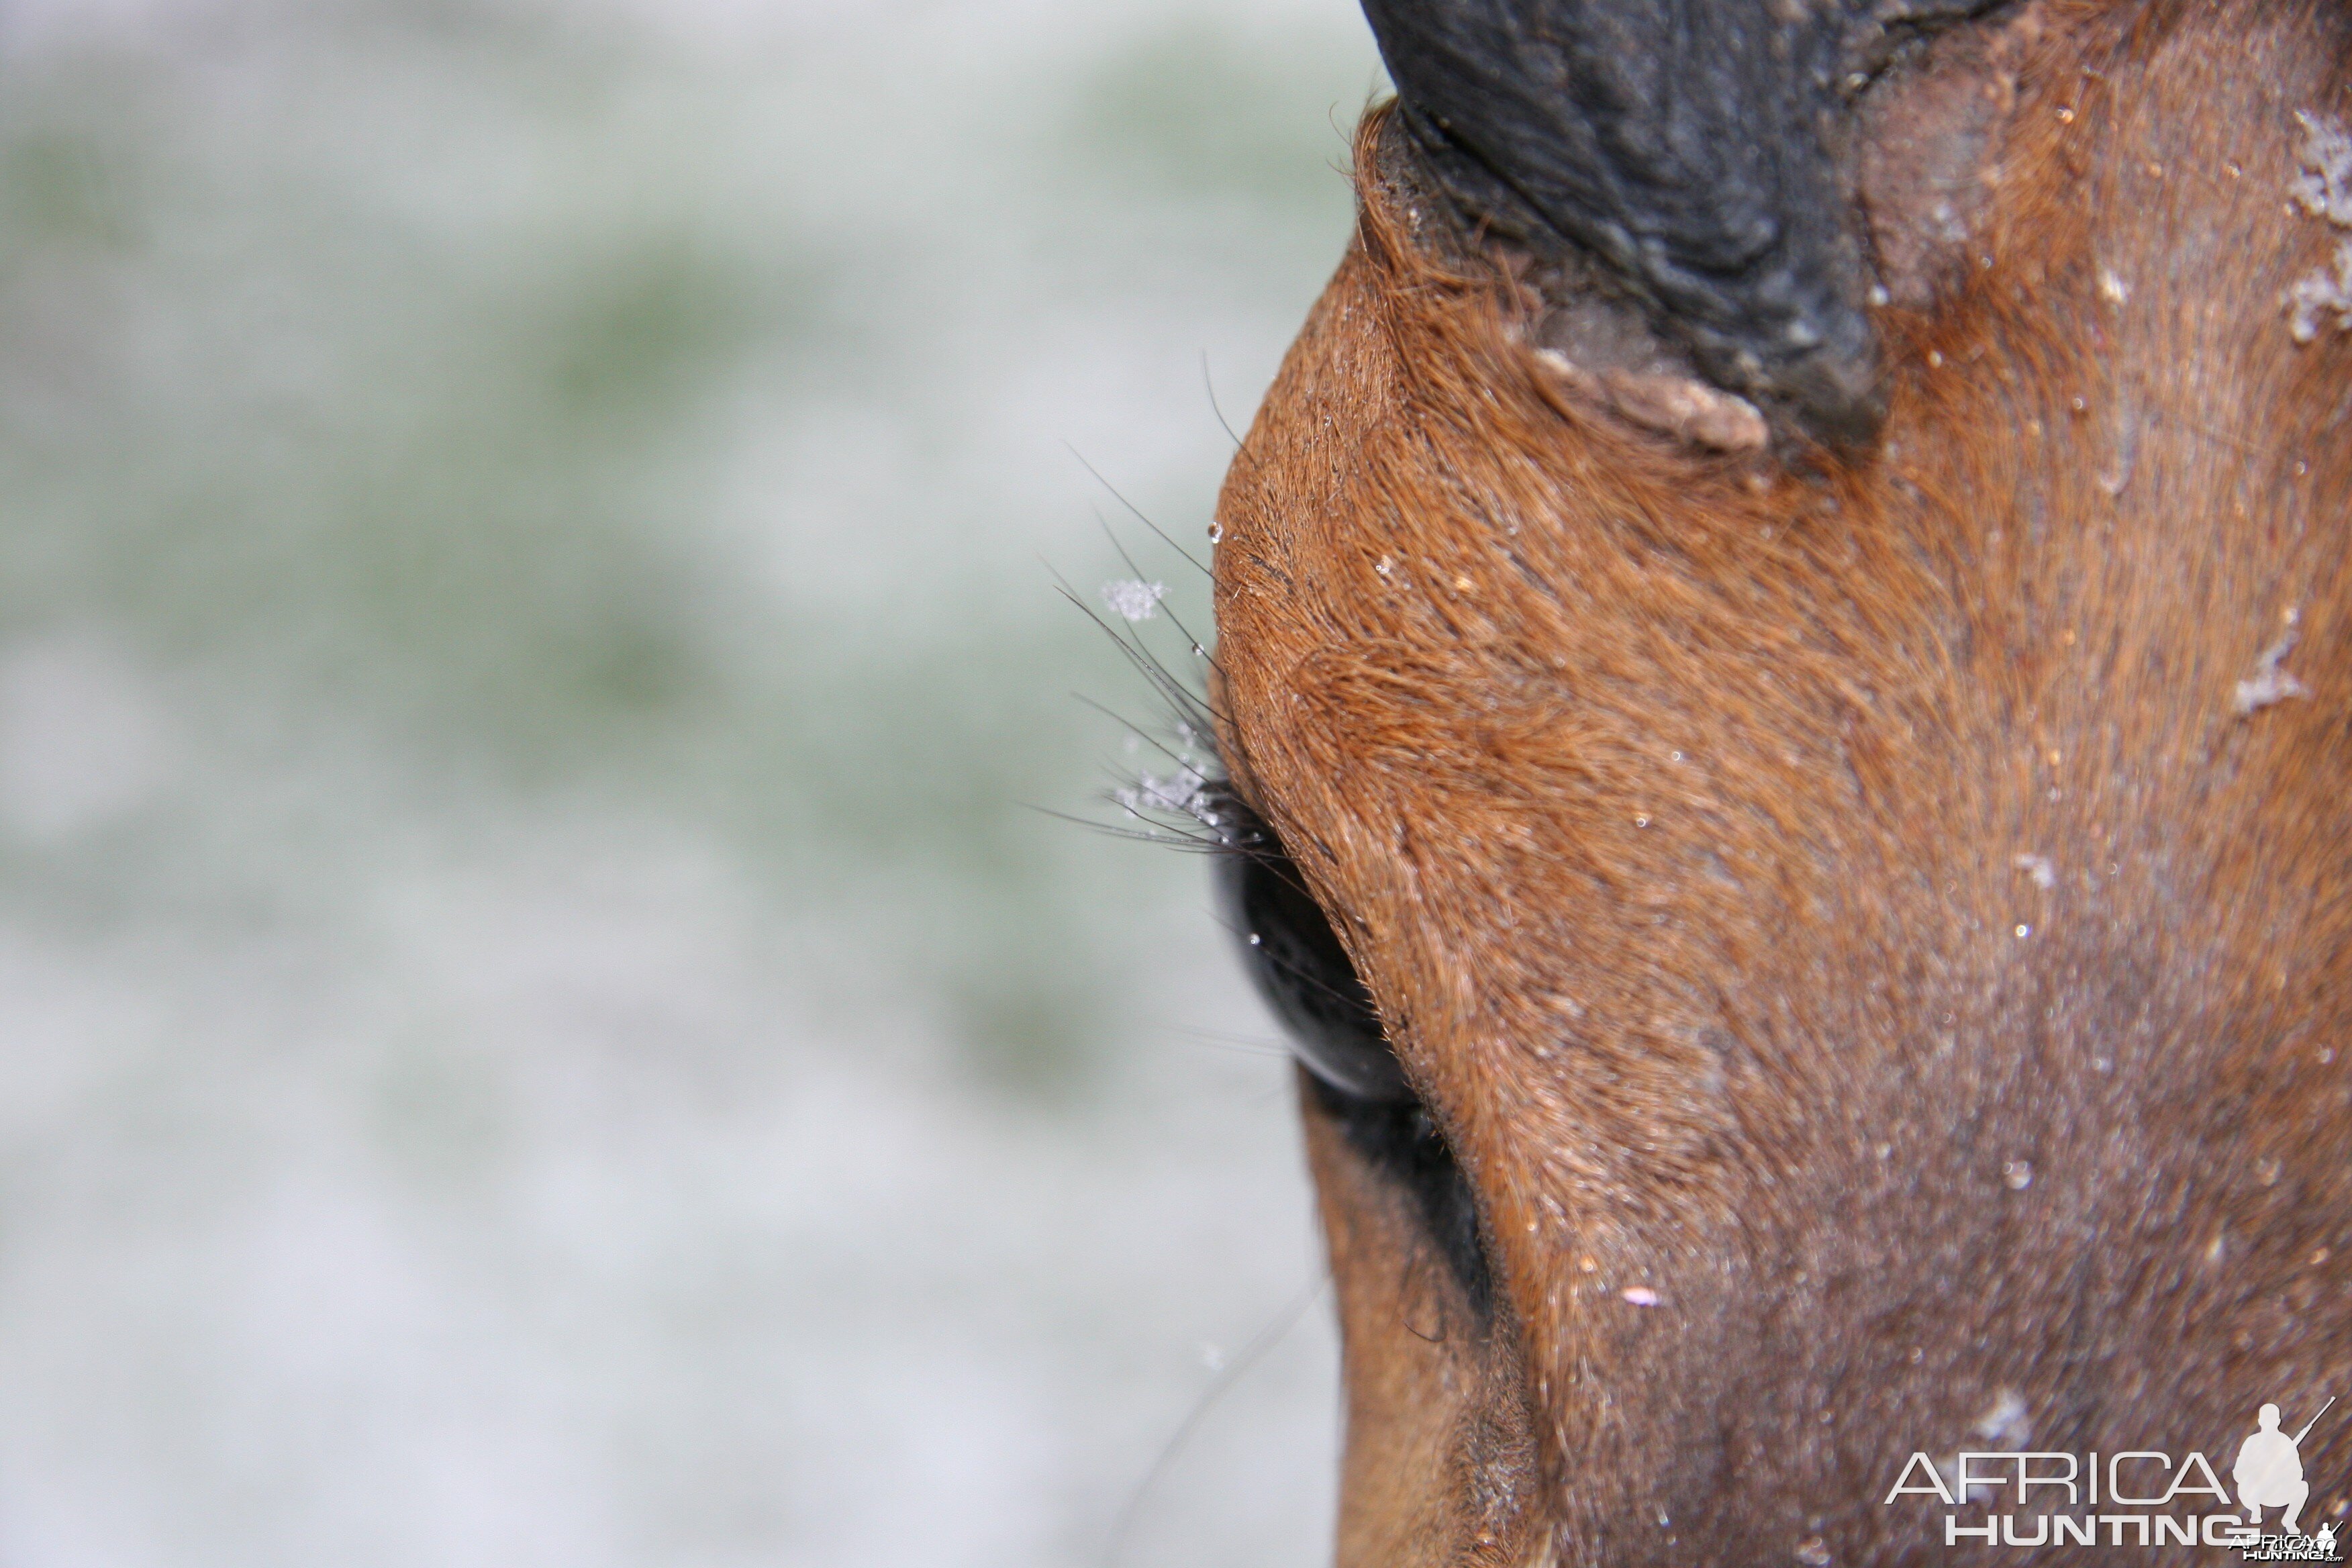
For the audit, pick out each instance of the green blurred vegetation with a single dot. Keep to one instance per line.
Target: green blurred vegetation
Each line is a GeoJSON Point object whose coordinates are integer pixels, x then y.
{"type": "Point", "coordinates": [400, 380]}
{"type": "Point", "coordinates": [535, 1023]}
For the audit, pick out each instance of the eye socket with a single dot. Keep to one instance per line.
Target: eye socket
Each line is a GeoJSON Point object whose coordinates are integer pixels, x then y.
{"type": "Point", "coordinates": [1299, 966]}
{"type": "Point", "coordinates": [1295, 961]}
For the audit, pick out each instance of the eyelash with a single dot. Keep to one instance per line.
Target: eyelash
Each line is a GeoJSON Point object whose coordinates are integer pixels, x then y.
{"type": "Point", "coordinates": [1285, 937]}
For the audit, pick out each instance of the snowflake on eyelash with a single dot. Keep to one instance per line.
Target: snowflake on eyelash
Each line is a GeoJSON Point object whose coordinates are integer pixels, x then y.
{"type": "Point", "coordinates": [1178, 793]}
{"type": "Point", "coordinates": [1132, 599]}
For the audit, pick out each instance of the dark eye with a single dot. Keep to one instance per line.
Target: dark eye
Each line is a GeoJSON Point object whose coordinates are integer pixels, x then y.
{"type": "Point", "coordinates": [1304, 973]}
{"type": "Point", "coordinates": [1300, 969]}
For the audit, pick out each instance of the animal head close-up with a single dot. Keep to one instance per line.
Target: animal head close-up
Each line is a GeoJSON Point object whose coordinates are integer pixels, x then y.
{"type": "Point", "coordinates": [1742, 606]}
{"type": "Point", "coordinates": [1781, 673]}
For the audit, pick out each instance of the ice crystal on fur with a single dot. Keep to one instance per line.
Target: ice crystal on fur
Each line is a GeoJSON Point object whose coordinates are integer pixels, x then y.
{"type": "Point", "coordinates": [2325, 185]}
{"type": "Point", "coordinates": [2270, 683]}
{"type": "Point", "coordinates": [2324, 188]}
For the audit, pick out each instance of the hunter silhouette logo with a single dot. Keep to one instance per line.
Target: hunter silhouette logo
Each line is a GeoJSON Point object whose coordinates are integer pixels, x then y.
{"type": "Point", "coordinates": [2269, 1471]}
{"type": "Point", "coordinates": [2132, 1497]}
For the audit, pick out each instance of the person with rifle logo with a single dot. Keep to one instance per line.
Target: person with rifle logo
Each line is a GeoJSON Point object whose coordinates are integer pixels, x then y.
{"type": "Point", "coordinates": [2269, 1471]}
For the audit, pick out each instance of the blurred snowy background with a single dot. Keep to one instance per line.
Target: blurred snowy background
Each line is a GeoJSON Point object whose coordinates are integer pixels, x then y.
{"type": "Point", "coordinates": [535, 1027]}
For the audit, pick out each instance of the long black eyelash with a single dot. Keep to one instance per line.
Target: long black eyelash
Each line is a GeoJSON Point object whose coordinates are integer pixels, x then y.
{"type": "Point", "coordinates": [1195, 807]}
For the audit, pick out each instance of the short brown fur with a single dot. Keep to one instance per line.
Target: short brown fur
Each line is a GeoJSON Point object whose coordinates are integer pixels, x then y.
{"type": "Point", "coordinates": [1686, 819]}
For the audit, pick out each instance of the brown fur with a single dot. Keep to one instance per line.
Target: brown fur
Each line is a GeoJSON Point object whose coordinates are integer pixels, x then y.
{"type": "Point", "coordinates": [1672, 808]}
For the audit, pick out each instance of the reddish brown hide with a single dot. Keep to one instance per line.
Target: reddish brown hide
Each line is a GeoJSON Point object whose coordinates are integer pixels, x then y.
{"type": "Point", "coordinates": [1883, 985]}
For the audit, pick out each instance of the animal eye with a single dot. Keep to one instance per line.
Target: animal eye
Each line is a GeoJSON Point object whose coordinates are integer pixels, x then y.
{"type": "Point", "coordinates": [1299, 968]}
